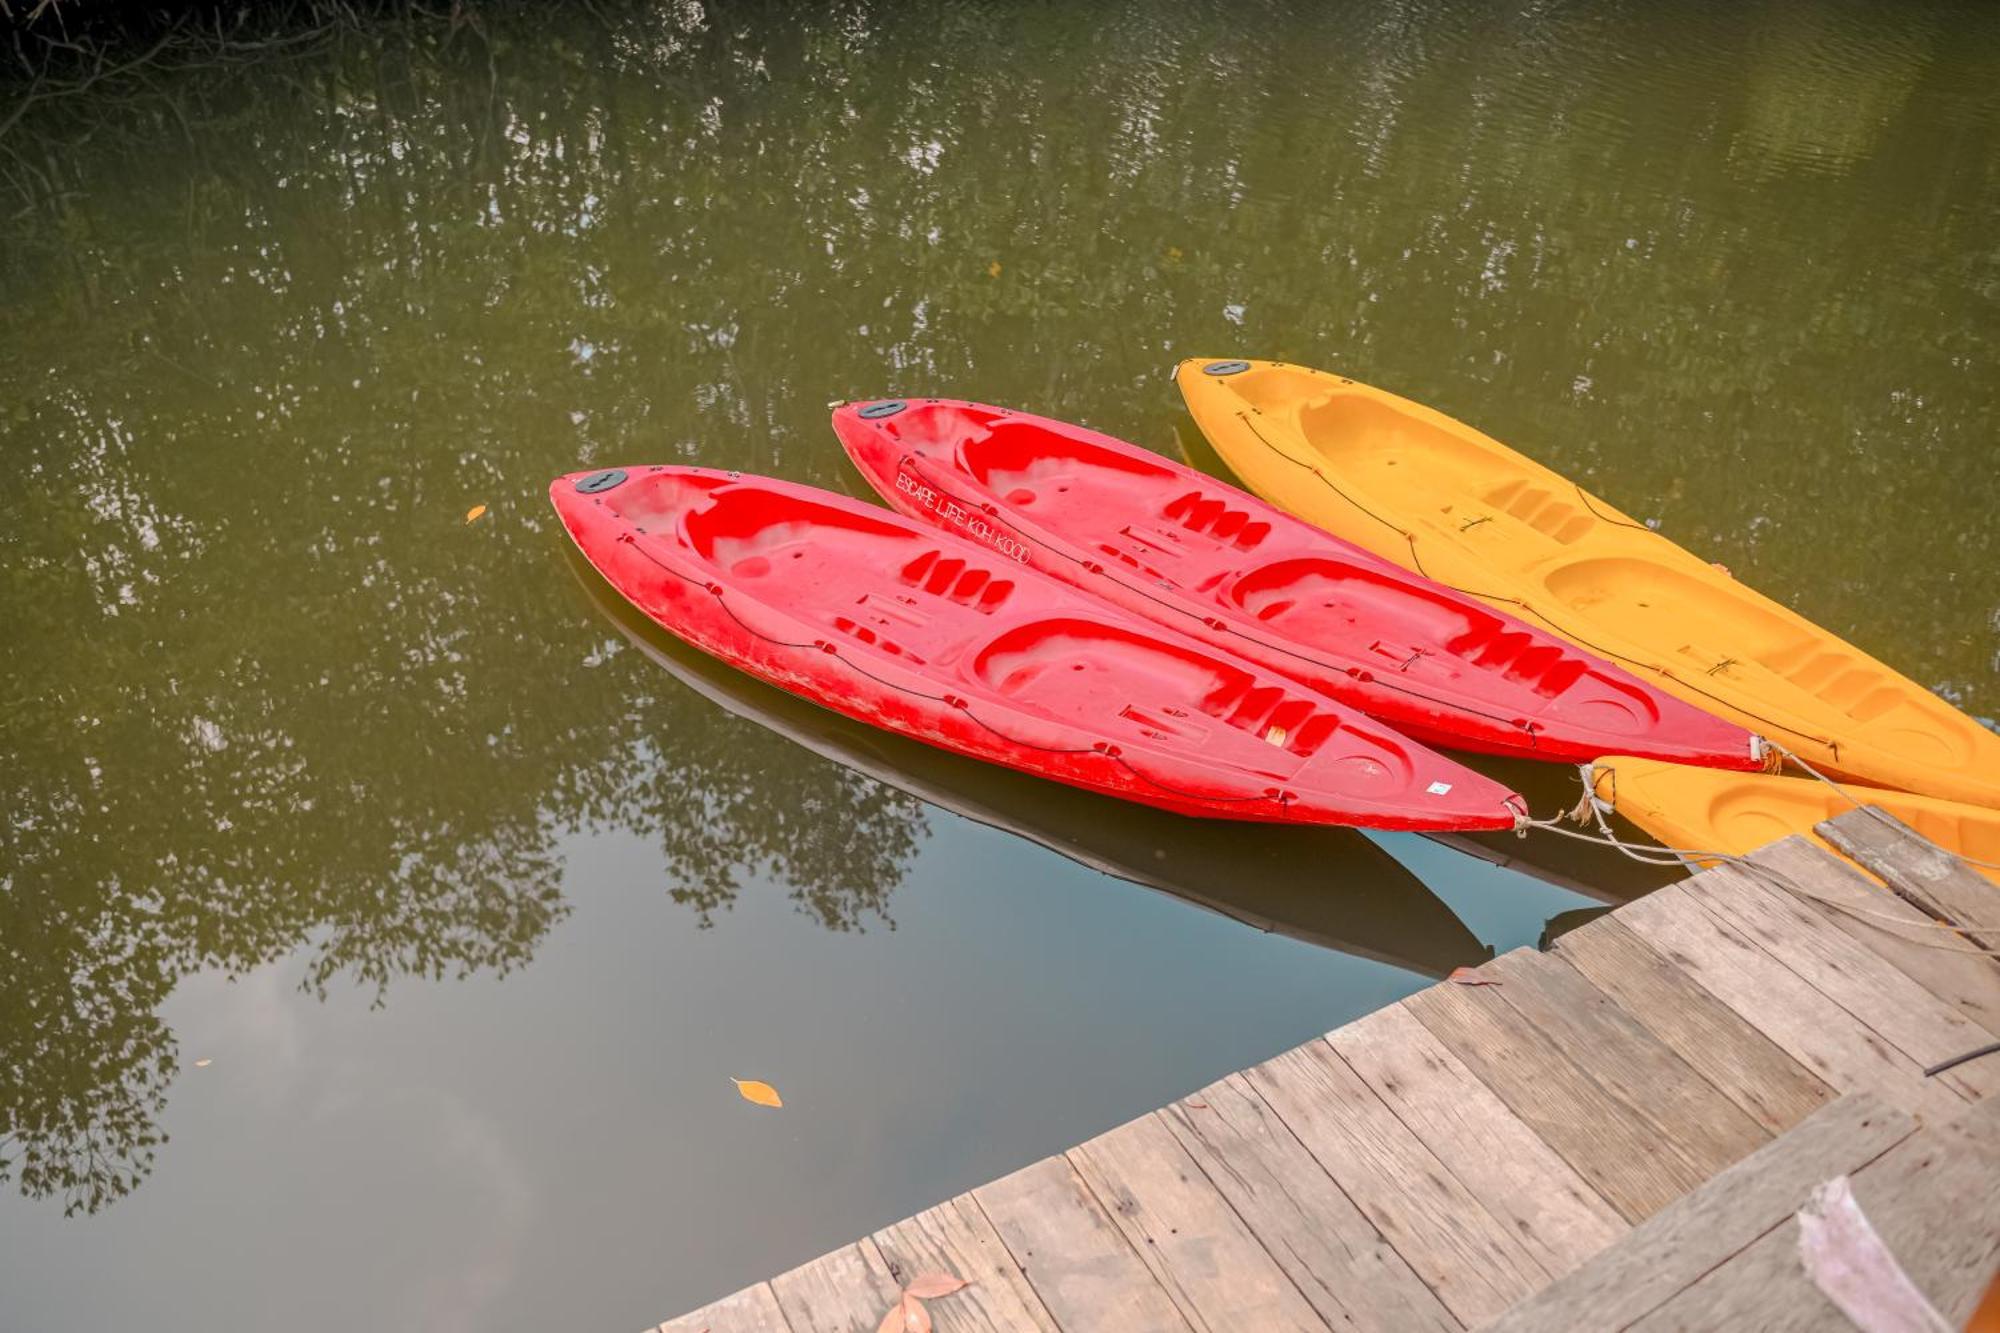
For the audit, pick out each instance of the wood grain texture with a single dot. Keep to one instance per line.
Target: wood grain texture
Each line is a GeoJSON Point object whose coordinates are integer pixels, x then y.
{"type": "Point", "coordinates": [1839, 1049]}
{"type": "Point", "coordinates": [1678, 1245]}
{"type": "Point", "coordinates": [1625, 1059]}
{"type": "Point", "coordinates": [751, 1310]}
{"type": "Point", "coordinates": [1935, 1201]}
{"type": "Point", "coordinates": [1969, 982]}
{"type": "Point", "coordinates": [1856, 978]}
{"type": "Point", "coordinates": [956, 1238]}
{"type": "Point", "coordinates": [1935, 880]}
{"type": "Point", "coordinates": [1199, 1250]}
{"type": "Point", "coordinates": [1745, 1065]}
{"type": "Point", "coordinates": [1341, 1264]}
{"type": "Point", "coordinates": [1474, 1263]}
{"type": "Point", "coordinates": [1553, 1212]}
{"type": "Point", "coordinates": [1081, 1267]}
{"type": "Point", "coordinates": [1613, 1145]}
{"type": "Point", "coordinates": [848, 1289]}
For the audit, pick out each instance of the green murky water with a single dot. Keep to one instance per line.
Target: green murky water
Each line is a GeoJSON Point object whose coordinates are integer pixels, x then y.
{"type": "Point", "coordinates": [383, 914]}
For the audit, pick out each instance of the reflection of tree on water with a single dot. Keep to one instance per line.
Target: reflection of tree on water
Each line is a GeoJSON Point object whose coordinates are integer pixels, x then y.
{"type": "Point", "coordinates": [270, 333]}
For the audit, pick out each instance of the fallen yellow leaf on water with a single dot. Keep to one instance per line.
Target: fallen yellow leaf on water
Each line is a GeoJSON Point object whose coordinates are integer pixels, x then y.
{"type": "Point", "coordinates": [1173, 254]}
{"type": "Point", "coordinates": [993, 269]}
{"type": "Point", "coordinates": [203, 1063]}
{"type": "Point", "coordinates": [474, 512]}
{"type": "Point", "coordinates": [752, 1090]}
{"type": "Point", "coordinates": [930, 1286]}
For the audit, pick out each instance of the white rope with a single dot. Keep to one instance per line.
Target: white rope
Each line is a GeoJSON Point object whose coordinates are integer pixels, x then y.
{"type": "Point", "coordinates": [1765, 874]}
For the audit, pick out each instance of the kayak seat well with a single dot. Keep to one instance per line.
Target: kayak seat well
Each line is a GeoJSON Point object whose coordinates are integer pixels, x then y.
{"type": "Point", "coordinates": [1053, 476]}
{"type": "Point", "coordinates": [835, 566]}
{"type": "Point", "coordinates": [1417, 456]}
{"type": "Point", "coordinates": [655, 501]}
{"type": "Point", "coordinates": [1091, 672]}
{"type": "Point", "coordinates": [1073, 482]}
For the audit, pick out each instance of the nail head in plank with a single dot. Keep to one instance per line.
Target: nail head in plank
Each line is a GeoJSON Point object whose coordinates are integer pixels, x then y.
{"type": "Point", "coordinates": [1625, 1059]}
{"type": "Point", "coordinates": [1613, 1145]}
{"type": "Point", "coordinates": [1198, 1249]}
{"type": "Point", "coordinates": [751, 1310]}
{"type": "Point", "coordinates": [1476, 1265]}
{"type": "Point", "coordinates": [1752, 1071]}
{"type": "Point", "coordinates": [1969, 982]}
{"type": "Point", "coordinates": [850, 1287]}
{"type": "Point", "coordinates": [956, 1238]}
{"type": "Point", "coordinates": [1333, 1254]}
{"type": "Point", "coordinates": [1782, 1005]}
{"type": "Point", "coordinates": [1918, 869]}
{"type": "Point", "coordinates": [1523, 1182]}
{"type": "Point", "coordinates": [1856, 978]}
{"type": "Point", "coordinates": [1934, 1199]}
{"type": "Point", "coordinates": [1075, 1257]}
{"type": "Point", "coordinates": [1676, 1246]}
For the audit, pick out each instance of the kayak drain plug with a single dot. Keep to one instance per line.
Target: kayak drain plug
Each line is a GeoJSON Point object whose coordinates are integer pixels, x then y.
{"type": "Point", "coordinates": [876, 411]}
{"type": "Point", "coordinates": [1225, 368]}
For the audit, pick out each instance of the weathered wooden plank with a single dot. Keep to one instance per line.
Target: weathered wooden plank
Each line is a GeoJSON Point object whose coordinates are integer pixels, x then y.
{"type": "Point", "coordinates": [1751, 1070]}
{"type": "Point", "coordinates": [1935, 1201]}
{"type": "Point", "coordinates": [1340, 1263]}
{"type": "Point", "coordinates": [1625, 1059]}
{"type": "Point", "coordinates": [1554, 1213]}
{"type": "Point", "coordinates": [751, 1310]}
{"type": "Point", "coordinates": [1612, 1144]}
{"type": "Point", "coordinates": [1857, 979]}
{"type": "Point", "coordinates": [1079, 1262]}
{"type": "Point", "coordinates": [1969, 982]}
{"type": "Point", "coordinates": [1198, 1249]}
{"type": "Point", "coordinates": [956, 1238]}
{"type": "Point", "coordinates": [1942, 1202]}
{"type": "Point", "coordinates": [1815, 1031]}
{"type": "Point", "coordinates": [850, 1288]}
{"type": "Point", "coordinates": [1683, 1241]}
{"type": "Point", "coordinates": [1475, 1264]}
{"type": "Point", "coordinates": [1919, 870]}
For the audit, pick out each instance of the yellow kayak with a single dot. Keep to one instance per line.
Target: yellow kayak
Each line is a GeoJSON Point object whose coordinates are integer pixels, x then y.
{"type": "Point", "coordinates": [1440, 498]}
{"type": "Point", "coordinates": [1707, 810]}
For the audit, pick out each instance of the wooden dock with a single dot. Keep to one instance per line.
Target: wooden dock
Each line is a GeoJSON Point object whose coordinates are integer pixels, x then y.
{"type": "Point", "coordinates": [1615, 1134]}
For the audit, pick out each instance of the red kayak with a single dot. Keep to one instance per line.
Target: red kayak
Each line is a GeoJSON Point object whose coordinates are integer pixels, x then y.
{"type": "Point", "coordinates": [1199, 556]}
{"type": "Point", "coordinates": [930, 636]}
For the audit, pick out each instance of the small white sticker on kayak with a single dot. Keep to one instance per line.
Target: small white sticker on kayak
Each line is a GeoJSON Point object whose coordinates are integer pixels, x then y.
{"type": "Point", "coordinates": [1438, 788]}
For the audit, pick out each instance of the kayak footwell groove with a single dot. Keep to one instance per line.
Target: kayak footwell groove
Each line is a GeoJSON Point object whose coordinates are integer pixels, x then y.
{"type": "Point", "coordinates": [1628, 1129]}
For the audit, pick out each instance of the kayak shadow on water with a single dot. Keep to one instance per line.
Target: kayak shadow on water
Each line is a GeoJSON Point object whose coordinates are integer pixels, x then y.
{"type": "Point", "coordinates": [1332, 887]}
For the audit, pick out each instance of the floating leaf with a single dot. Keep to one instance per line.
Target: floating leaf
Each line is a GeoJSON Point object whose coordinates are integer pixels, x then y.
{"type": "Point", "coordinates": [474, 512]}
{"type": "Point", "coordinates": [1173, 254]}
{"type": "Point", "coordinates": [761, 1093]}
{"type": "Point", "coordinates": [993, 269]}
{"type": "Point", "coordinates": [907, 1315]}
{"type": "Point", "coordinates": [1465, 976]}
{"type": "Point", "coordinates": [930, 1286]}
{"type": "Point", "coordinates": [203, 1063]}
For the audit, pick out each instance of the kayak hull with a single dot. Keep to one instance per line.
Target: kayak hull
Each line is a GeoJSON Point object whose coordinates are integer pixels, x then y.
{"type": "Point", "coordinates": [931, 637]}
{"type": "Point", "coordinates": [1700, 810]}
{"type": "Point", "coordinates": [1200, 557]}
{"type": "Point", "coordinates": [1440, 498]}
